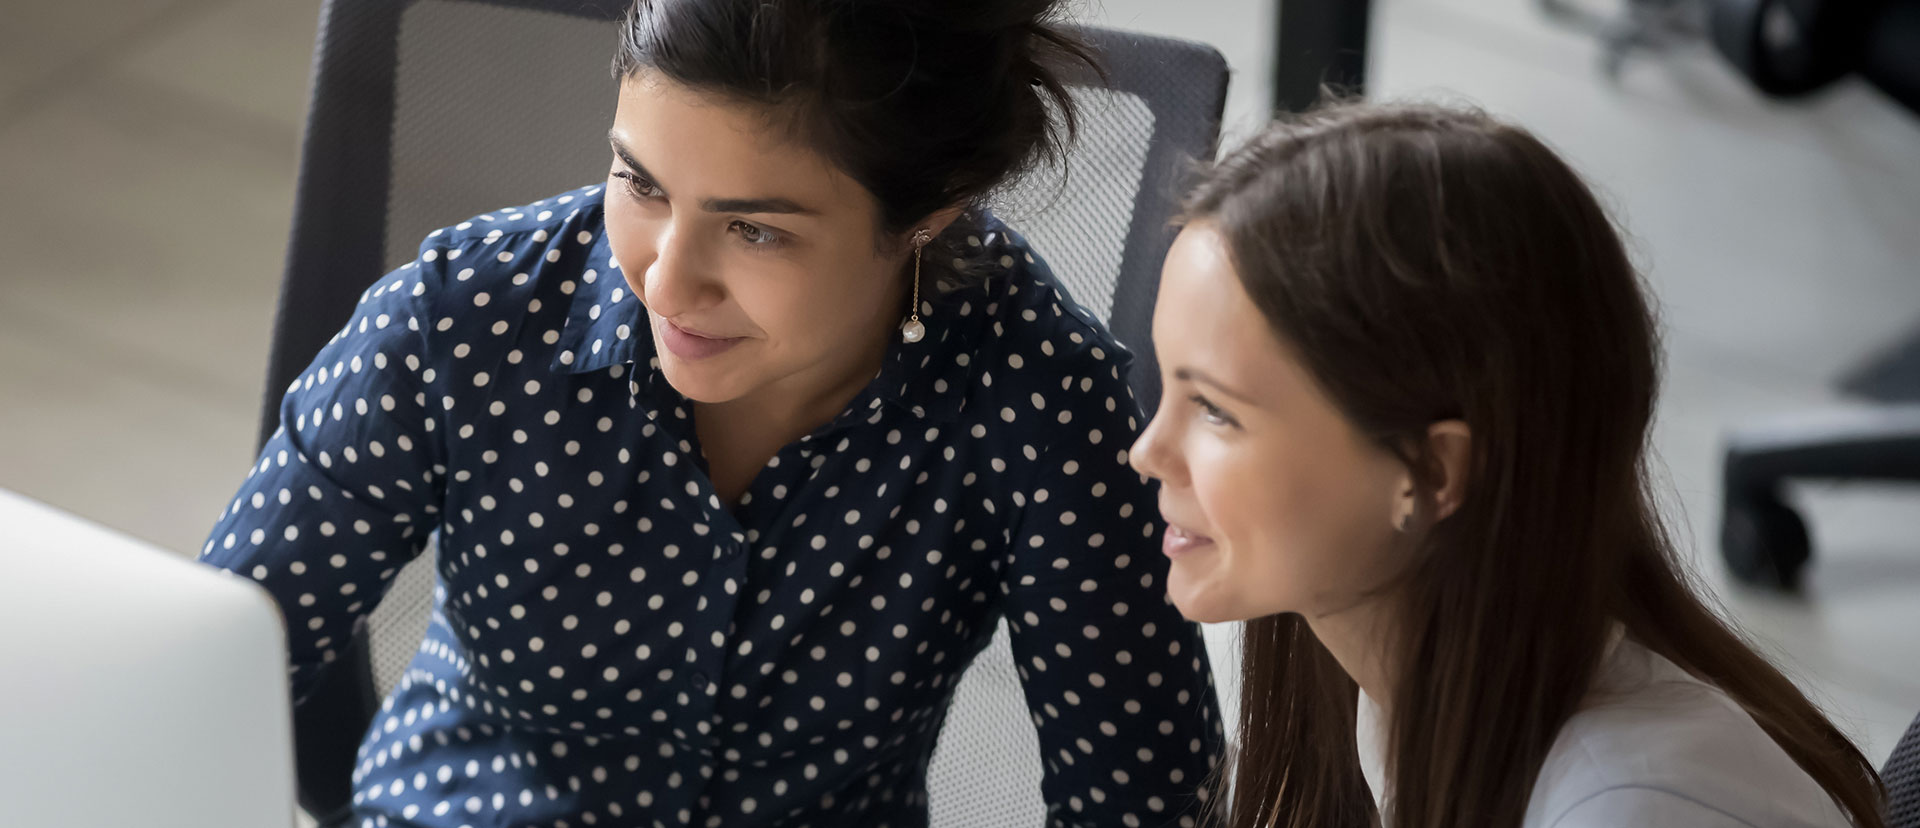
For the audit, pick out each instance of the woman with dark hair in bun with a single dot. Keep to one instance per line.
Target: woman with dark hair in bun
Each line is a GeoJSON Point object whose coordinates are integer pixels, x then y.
{"type": "Point", "coordinates": [739, 458]}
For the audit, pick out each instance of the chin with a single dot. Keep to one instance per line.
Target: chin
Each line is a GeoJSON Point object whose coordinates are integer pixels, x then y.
{"type": "Point", "coordinates": [707, 382]}
{"type": "Point", "coordinates": [1208, 616]}
{"type": "Point", "coordinates": [1199, 601]}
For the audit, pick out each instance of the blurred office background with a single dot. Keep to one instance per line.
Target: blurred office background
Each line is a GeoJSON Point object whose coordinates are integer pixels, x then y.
{"type": "Point", "coordinates": [147, 152]}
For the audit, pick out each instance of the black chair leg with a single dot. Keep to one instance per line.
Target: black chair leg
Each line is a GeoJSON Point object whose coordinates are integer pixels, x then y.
{"type": "Point", "coordinates": [342, 819]}
{"type": "Point", "coordinates": [1764, 541]}
{"type": "Point", "coordinates": [328, 728]}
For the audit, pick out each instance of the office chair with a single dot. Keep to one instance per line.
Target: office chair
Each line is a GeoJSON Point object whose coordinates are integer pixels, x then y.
{"type": "Point", "coordinates": [1902, 777]}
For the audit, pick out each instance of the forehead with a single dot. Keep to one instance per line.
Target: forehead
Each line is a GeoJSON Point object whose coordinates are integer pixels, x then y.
{"type": "Point", "coordinates": [1205, 320]}
{"type": "Point", "coordinates": [700, 144]}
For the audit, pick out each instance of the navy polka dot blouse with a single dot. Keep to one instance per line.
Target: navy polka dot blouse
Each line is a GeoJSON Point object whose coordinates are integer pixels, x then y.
{"type": "Point", "coordinates": [612, 646]}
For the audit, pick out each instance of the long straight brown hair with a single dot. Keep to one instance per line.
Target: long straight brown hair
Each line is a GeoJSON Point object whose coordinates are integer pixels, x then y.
{"type": "Point", "coordinates": [1432, 263]}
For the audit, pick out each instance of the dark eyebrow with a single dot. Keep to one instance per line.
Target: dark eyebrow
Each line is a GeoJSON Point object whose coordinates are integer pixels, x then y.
{"type": "Point", "coordinates": [715, 205]}
{"type": "Point", "coordinates": [626, 157]}
{"type": "Point", "coordinates": [1194, 375]}
{"type": "Point", "coordinates": [755, 205]}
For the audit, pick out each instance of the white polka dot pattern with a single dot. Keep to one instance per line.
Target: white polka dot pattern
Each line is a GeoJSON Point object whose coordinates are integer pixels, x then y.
{"type": "Point", "coordinates": [610, 646]}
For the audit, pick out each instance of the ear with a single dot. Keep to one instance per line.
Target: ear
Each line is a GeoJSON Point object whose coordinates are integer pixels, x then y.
{"type": "Point", "coordinates": [935, 223]}
{"type": "Point", "coordinates": [1450, 447]}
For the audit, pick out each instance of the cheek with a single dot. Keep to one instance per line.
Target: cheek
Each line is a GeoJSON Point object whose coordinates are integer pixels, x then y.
{"type": "Point", "coordinates": [1299, 522]}
{"type": "Point", "coordinates": [788, 304]}
{"type": "Point", "coordinates": [816, 301]}
{"type": "Point", "coordinates": [1226, 484]}
{"type": "Point", "coordinates": [1231, 488]}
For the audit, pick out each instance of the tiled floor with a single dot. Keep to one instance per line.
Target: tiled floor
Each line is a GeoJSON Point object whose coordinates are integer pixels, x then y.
{"type": "Point", "coordinates": [146, 164]}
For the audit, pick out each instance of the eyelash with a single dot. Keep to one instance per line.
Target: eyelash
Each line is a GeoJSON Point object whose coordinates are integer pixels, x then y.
{"type": "Point", "coordinates": [1212, 413]}
{"type": "Point", "coordinates": [638, 187]}
{"type": "Point", "coordinates": [769, 240]}
{"type": "Point", "coordinates": [644, 190]}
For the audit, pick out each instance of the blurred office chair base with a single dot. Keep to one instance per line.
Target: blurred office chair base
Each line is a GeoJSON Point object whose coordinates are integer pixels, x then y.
{"type": "Point", "coordinates": [1789, 48]}
{"type": "Point", "coordinates": [1641, 26]}
{"type": "Point", "coordinates": [1763, 539]}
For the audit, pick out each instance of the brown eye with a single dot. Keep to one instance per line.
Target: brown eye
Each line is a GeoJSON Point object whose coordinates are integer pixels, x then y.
{"type": "Point", "coordinates": [638, 187]}
{"type": "Point", "coordinates": [754, 235]}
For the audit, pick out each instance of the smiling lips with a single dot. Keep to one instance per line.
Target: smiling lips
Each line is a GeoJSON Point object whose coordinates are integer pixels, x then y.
{"type": "Point", "coordinates": [1178, 542]}
{"type": "Point", "coordinates": [693, 346]}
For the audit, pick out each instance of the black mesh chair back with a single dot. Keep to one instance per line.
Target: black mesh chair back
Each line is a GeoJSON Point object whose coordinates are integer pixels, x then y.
{"type": "Point", "coordinates": [1902, 777]}
{"type": "Point", "coordinates": [424, 112]}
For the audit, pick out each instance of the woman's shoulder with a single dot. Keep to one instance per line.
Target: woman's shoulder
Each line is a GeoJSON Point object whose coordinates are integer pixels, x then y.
{"type": "Point", "coordinates": [1654, 742]}
{"type": "Point", "coordinates": [529, 264]}
{"type": "Point", "coordinates": [1031, 316]}
{"type": "Point", "coordinates": [1037, 369]}
{"type": "Point", "coordinates": [514, 245]}
{"type": "Point", "coordinates": [521, 220]}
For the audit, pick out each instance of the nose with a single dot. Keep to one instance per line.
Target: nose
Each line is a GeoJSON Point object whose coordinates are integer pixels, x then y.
{"type": "Point", "coordinates": [1151, 454]}
{"type": "Point", "coordinates": [679, 279]}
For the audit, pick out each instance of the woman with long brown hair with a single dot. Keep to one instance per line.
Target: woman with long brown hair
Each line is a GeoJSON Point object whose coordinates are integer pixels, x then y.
{"type": "Point", "coordinates": [1410, 373]}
